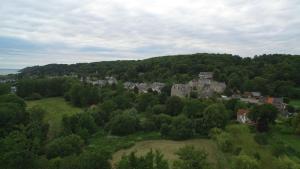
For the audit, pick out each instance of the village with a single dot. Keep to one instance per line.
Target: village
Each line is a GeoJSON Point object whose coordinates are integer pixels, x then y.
{"type": "Point", "coordinates": [202, 88]}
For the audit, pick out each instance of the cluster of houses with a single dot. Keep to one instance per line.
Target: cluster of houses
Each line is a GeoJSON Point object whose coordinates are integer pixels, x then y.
{"type": "Point", "coordinates": [7, 80]}
{"type": "Point", "coordinates": [140, 87]}
{"type": "Point", "coordinates": [203, 87]}
{"type": "Point", "coordinates": [257, 98]}
{"type": "Point", "coordinates": [109, 80]}
{"type": "Point", "coordinates": [145, 87]}
{"type": "Point", "coordinates": [13, 89]}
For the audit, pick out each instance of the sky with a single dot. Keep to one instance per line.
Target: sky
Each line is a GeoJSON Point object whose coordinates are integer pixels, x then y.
{"type": "Point", "coordinates": [37, 32]}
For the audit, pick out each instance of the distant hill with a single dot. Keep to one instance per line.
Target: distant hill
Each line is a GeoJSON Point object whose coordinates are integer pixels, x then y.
{"type": "Point", "coordinates": [270, 74]}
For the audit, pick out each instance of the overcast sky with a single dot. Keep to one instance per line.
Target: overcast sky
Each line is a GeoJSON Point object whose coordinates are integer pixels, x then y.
{"type": "Point", "coordinates": [38, 32]}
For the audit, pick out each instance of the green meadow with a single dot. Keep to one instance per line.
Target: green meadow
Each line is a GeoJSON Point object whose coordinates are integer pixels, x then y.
{"type": "Point", "coordinates": [56, 108]}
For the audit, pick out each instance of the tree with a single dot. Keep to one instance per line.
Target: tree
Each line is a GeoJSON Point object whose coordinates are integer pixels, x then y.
{"type": "Point", "coordinates": [245, 162]}
{"type": "Point", "coordinates": [11, 114]}
{"type": "Point", "coordinates": [263, 115]}
{"type": "Point", "coordinates": [87, 160]}
{"type": "Point", "coordinates": [125, 123]}
{"type": "Point", "coordinates": [174, 105]}
{"type": "Point", "coordinates": [16, 152]}
{"type": "Point", "coordinates": [296, 124]}
{"type": "Point", "coordinates": [193, 108]}
{"type": "Point", "coordinates": [146, 100]}
{"type": "Point", "coordinates": [191, 158]}
{"type": "Point", "coordinates": [64, 146]}
{"type": "Point", "coordinates": [82, 124]}
{"type": "Point", "coordinates": [287, 163]}
{"type": "Point", "coordinates": [214, 115]}
{"type": "Point", "coordinates": [4, 89]}
{"type": "Point", "coordinates": [180, 129]}
{"type": "Point", "coordinates": [152, 160]}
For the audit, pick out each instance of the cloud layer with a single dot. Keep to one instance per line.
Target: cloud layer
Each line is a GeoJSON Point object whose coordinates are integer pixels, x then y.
{"type": "Point", "coordinates": [69, 31]}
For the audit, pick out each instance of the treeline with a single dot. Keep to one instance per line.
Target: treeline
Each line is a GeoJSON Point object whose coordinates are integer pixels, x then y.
{"type": "Point", "coordinates": [275, 75]}
{"type": "Point", "coordinates": [43, 87]}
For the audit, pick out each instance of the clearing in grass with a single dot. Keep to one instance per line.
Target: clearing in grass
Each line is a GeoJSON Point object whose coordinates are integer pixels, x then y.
{"type": "Point", "coordinates": [56, 108]}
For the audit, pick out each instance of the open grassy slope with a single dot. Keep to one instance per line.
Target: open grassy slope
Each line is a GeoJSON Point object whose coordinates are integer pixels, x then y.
{"type": "Point", "coordinates": [169, 148]}
{"type": "Point", "coordinates": [56, 108]}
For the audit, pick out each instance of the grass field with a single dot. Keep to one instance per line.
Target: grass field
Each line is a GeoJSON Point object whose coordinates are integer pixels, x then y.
{"type": "Point", "coordinates": [243, 138]}
{"type": "Point", "coordinates": [295, 103]}
{"type": "Point", "coordinates": [169, 148]}
{"type": "Point", "coordinates": [56, 108]}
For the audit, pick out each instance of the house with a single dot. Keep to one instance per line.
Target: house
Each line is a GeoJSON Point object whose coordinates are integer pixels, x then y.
{"type": "Point", "coordinates": [129, 85]}
{"type": "Point", "coordinates": [111, 80]}
{"type": "Point", "coordinates": [99, 82]}
{"type": "Point", "coordinates": [205, 75]}
{"type": "Point", "coordinates": [181, 90]}
{"type": "Point", "coordinates": [276, 102]}
{"type": "Point", "coordinates": [242, 116]}
{"type": "Point", "coordinates": [256, 95]}
{"type": "Point", "coordinates": [203, 87]}
{"type": "Point", "coordinates": [13, 89]}
{"type": "Point", "coordinates": [144, 87]}
{"type": "Point", "coordinates": [157, 86]}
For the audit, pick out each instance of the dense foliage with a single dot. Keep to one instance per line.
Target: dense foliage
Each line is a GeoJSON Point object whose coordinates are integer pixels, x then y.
{"type": "Point", "coordinates": [276, 75]}
{"type": "Point", "coordinates": [113, 113]}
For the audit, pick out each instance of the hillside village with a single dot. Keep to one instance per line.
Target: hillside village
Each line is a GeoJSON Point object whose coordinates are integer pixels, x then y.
{"type": "Point", "coordinates": [202, 87]}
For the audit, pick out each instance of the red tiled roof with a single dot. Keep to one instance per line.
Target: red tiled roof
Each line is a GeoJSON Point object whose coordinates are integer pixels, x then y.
{"type": "Point", "coordinates": [242, 111]}
{"type": "Point", "coordinates": [270, 100]}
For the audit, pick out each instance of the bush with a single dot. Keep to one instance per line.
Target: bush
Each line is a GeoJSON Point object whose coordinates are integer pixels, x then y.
{"type": "Point", "coordinates": [148, 125]}
{"type": "Point", "coordinates": [223, 140]}
{"type": "Point", "coordinates": [287, 163]}
{"type": "Point", "coordinates": [34, 96]}
{"type": "Point", "coordinates": [245, 162]}
{"type": "Point", "coordinates": [191, 158]}
{"type": "Point", "coordinates": [278, 149]}
{"type": "Point", "coordinates": [125, 123]}
{"type": "Point", "coordinates": [180, 129]}
{"type": "Point", "coordinates": [261, 138]}
{"type": "Point", "coordinates": [153, 160]}
{"type": "Point", "coordinates": [64, 146]}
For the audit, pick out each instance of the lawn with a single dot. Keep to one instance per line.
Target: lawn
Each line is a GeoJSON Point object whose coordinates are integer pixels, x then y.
{"type": "Point", "coordinates": [56, 108]}
{"type": "Point", "coordinates": [295, 103]}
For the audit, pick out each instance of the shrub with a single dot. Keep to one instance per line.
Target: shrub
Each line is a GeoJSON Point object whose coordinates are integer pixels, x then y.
{"type": "Point", "coordinates": [64, 146]}
{"type": "Point", "coordinates": [34, 96]}
{"type": "Point", "coordinates": [125, 123]}
{"type": "Point", "coordinates": [261, 138]}
{"type": "Point", "coordinates": [245, 162]}
{"type": "Point", "coordinates": [153, 160]}
{"type": "Point", "coordinates": [191, 158]}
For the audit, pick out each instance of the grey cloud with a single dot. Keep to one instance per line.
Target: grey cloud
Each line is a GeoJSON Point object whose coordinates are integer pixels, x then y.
{"type": "Point", "coordinates": [94, 30]}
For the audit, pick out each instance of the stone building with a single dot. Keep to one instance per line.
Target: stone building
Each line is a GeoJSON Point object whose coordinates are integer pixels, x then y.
{"type": "Point", "coordinates": [204, 87]}
{"type": "Point", "coordinates": [145, 87]}
{"type": "Point", "coordinates": [205, 75]}
{"type": "Point", "coordinates": [181, 90]}
{"type": "Point", "coordinates": [100, 82]}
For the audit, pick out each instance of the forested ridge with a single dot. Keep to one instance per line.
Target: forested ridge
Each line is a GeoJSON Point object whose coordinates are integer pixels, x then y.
{"type": "Point", "coordinates": [276, 74]}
